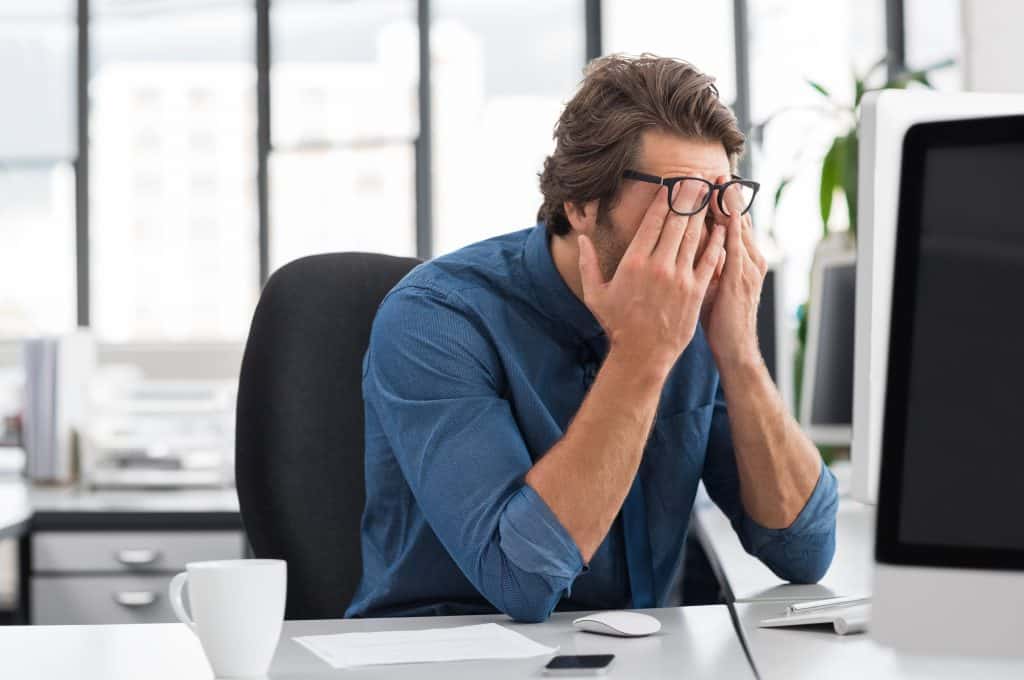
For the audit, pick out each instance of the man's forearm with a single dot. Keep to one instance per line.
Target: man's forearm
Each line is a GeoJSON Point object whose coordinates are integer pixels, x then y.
{"type": "Point", "coordinates": [778, 465]}
{"type": "Point", "coordinates": [585, 477]}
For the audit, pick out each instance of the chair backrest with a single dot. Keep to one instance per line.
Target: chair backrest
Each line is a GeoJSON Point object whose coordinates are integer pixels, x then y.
{"type": "Point", "coordinates": [299, 428]}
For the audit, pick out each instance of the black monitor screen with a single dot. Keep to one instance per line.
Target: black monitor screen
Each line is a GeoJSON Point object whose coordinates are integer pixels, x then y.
{"type": "Point", "coordinates": [833, 372]}
{"type": "Point", "coordinates": [957, 369]}
{"type": "Point", "coordinates": [766, 331]}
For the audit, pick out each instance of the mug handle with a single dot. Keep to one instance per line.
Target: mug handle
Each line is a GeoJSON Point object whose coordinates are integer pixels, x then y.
{"type": "Point", "coordinates": [174, 594]}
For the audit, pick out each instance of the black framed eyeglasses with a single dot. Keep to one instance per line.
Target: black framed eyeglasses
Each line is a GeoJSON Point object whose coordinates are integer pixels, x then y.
{"type": "Point", "coordinates": [689, 195]}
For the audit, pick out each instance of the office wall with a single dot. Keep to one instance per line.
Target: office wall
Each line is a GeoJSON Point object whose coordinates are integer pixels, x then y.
{"type": "Point", "coordinates": [177, 361]}
{"type": "Point", "coordinates": [158, 361]}
{"type": "Point", "coordinates": [993, 50]}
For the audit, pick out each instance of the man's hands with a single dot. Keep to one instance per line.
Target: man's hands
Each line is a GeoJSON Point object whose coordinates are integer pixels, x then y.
{"type": "Point", "coordinates": [649, 310]}
{"type": "Point", "coordinates": [730, 308]}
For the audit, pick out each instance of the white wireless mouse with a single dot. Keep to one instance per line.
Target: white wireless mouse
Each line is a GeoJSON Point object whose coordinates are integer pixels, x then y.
{"type": "Point", "coordinates": [621, 624]}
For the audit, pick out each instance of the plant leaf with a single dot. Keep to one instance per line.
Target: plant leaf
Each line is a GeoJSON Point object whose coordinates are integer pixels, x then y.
{"type": "Point", "coordinates": [877, 65]}
{"type": "Point", "coordinates": [778, 192]}
{"type": "Point", "coordinates": [915, 76]}
{"type": "Point", "coordinates": [896, 83]}
{"type": "Point", "coordinates": [849, 182]}
{"type": "Point", "coordinates": [830, 169]}
{"type": "Point", "coordinates": [941, 64]}
{"type": "Point", "coordinates": [918, 77]}
{"type": "Point", "coordinates": [900, 81]}
{"type": "Point", "coordinates": [819, 87]}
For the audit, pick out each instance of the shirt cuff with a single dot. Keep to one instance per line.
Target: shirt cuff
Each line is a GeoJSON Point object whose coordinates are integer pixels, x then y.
{"type": "Point", "coordinates": [535, 541]}
{"type": "Point", "coordinates": [817, 518]}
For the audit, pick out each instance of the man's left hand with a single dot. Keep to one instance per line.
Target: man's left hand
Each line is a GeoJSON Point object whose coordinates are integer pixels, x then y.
{"type": "Point", "coordinates": [730, 306]}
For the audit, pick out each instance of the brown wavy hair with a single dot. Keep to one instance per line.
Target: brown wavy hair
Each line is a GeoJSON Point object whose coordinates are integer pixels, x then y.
{"type": "Point", "coordinates": [598, 135]}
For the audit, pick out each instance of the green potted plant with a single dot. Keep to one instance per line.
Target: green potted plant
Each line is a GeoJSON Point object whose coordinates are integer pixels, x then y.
{"type": "Point", "coordinates": [838, 172]}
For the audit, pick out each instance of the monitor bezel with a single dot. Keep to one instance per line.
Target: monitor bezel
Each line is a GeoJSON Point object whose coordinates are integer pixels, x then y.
{"type": "Point", "coordinates": [825, 434]}
{"type": "Point", "coordinates": [920, 138]}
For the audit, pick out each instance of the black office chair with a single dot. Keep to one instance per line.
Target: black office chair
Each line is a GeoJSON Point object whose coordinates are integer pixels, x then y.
{"type": "Point", "coordinates": [299, 428]}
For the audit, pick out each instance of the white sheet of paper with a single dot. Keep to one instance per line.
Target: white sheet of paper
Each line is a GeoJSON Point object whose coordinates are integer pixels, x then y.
{"type": "Point", "coordinates": [464, 643]}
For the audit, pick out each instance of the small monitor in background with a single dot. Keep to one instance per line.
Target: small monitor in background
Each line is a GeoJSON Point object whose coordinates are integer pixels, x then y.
{"type": "Point", "coordinates": [826, 404]}
{"type": "Point", "coordinates": [768, 325]}
{"type": "Point", "coordinates": [773, 332]}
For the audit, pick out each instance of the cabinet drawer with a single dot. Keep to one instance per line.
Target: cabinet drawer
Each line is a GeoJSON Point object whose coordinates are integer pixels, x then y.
{"type": "Point", "coordinates": [132, 551]}
{"type": "Point", "coordinates": [58, 600]}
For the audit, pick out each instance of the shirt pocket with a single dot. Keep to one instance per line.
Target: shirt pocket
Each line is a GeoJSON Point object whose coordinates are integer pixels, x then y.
{"type": "Point", "coordinates": [674, 458]}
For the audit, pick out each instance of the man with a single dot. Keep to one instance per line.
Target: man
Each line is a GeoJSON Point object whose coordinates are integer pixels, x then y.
{"type": "Point", "coordinates": [541, 406]}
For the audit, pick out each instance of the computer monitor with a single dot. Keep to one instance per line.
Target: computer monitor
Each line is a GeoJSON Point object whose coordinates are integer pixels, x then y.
{"type": "Point", "coordinates": [950, 530]}
{"type": "Point", "coordinates": [885, 117]}
{"type": "Point", "coordinates": [774, 330]}
{"type": "Point", "coordinates": [826, 404]}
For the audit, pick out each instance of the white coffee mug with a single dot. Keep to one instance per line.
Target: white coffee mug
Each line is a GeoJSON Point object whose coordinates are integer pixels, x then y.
{"type": "Point", "coordinates": [237, 611]}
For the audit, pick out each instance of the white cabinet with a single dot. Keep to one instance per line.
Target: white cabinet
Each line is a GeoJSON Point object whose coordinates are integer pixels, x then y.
{"type": "Point", "coordinates": [86, 577]}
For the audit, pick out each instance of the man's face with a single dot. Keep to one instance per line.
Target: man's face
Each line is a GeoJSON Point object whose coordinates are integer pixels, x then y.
{"type": "Point", "coordinates": [664, 155]}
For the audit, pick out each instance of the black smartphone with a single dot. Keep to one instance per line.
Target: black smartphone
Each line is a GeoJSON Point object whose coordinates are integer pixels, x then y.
{"type": "Point", "coordinates": [583, 664]}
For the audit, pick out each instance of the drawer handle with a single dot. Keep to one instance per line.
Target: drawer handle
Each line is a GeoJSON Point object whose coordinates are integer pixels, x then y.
{"type": "Point", "coordinates": [138, 558]}
{"type": "Point", "coordinates": [135, 598]}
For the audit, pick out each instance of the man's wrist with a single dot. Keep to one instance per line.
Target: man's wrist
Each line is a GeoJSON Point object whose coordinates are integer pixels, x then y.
{"type": "Point", "coordinates": [640, 371]}
{"type": "Point", "coordinates": [741, 366]}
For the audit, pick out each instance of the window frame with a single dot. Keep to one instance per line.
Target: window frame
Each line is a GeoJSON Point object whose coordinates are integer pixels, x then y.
{"type": "Point", "coordinates": [590, 16]}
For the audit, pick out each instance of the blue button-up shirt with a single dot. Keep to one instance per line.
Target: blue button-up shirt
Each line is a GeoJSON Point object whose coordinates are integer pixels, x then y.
{"type": "Point", "coordinates": [477, 362]}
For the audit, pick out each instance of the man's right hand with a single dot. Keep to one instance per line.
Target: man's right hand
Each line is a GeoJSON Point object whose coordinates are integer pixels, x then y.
{"type": "Point", "coordinates": [649, 310]}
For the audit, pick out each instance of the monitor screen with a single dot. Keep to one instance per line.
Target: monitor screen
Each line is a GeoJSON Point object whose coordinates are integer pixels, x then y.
{"type": "Point", "coordinates": [766, 330]}
{"type": "Point", "coordinates": [832, 394]}
{"type": "Point", "coordinates": [953, 443]}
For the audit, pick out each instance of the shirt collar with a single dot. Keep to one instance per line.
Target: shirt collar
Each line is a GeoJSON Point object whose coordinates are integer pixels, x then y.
{"type": "Point", "coordinates": [551, 293]}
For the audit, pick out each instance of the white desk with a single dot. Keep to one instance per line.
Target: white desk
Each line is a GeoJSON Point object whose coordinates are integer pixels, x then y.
{"type": "Point", "coordinates": [73, 499]}
{"type": "Point", "coordinates": [816, 652]}
{"type": "Point", "coordinates": [750, 581]}
{"type": "Point", "coordinates": [15, 508]}
{"type": "Point", "coordinates": [22, 504]}
{"type": "Point", "coordinates": [695, 642]}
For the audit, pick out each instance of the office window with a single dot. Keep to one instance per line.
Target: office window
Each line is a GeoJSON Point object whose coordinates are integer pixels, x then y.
{"type": "Point", "coordinates": [791, 42]}
{"type": "Point", "coordinates": [173, 170]}
{"type": "Point", "coordinates": [344, 121]}
{"type": "Point", "coordinates": [501, 74]}
{"type": "Point", "coordinates": [37, 256]}
{"type": "Point", "coordinates": [37, 147]}
{"type": "Point", "coordinates": [933, 34]}
{"type": "Point", "coordinates": [697, 31]}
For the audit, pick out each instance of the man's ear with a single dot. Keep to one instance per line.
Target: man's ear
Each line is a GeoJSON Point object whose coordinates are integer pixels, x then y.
{"type": "Point", "coordinates": [582, 216]}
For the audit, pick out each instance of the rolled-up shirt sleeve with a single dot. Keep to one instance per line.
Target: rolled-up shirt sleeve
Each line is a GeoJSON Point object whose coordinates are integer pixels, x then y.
{"type": "Point", "coordinates": [434, 381]}
{"type": "Point", "coordinates": [799, 553]}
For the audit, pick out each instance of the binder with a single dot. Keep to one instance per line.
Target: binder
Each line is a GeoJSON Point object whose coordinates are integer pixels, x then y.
{"type": "Point", "coordinates": [57, 375]}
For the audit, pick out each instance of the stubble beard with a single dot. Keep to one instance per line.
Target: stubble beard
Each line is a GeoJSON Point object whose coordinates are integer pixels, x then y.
{"type": "Point", "coordinates": [609, 247]}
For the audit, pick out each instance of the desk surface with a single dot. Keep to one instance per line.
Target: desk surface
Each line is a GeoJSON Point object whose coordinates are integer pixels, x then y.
{"type": "Point", "coordinates": [73, 499]}
{"type": "Point", "coordinates": [751, 581]}
{"type": "Point", "coordinates": [695, 642]}
{"type": "Point", "coordinates": [15, 508]}
{"type": "Point", "coordinates": [817, 652]}
{"type": "Point", "coordinates": [57, 507]}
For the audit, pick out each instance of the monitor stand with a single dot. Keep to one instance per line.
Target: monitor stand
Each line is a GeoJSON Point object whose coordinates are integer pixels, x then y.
{"type": "Point", "coordinates": [939, 610]}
